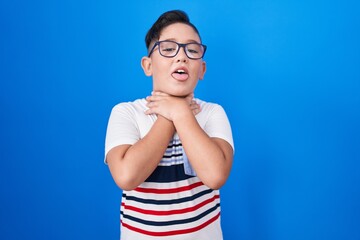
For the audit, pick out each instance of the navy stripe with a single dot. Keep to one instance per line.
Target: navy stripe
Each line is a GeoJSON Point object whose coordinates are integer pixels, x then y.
{"type": "Point", "coordinates": [167, 174]}
{"type": "Point", "coordinates": [174, 222]}
{"type": "Point", "coordinates": [174, 145]}
{"type": "Point", "coordinates": [173, 155]}
{"type": "Point", "coordinates": [167, 202]}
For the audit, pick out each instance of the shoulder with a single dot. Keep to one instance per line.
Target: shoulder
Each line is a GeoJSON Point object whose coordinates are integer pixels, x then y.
{"type": "Point", "coordinates": [136, 106]}
{"type": "Point", "coordinates": [209, 107]}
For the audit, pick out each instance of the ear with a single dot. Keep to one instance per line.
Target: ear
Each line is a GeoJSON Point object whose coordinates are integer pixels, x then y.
{"type": "Point", "coordinates": [146, 65]}
{"type": "Point", "coordinates": [202, 70]}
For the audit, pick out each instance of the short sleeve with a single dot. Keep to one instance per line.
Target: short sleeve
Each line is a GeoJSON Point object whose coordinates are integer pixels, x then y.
{"type": "Point", "coordinates": [122, 127]}
{"type": "Point", "coordinates": [218, 125]}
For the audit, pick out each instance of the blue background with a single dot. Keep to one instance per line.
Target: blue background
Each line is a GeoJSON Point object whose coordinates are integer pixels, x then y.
{"type": "Point", "coordinates": [287, 73]}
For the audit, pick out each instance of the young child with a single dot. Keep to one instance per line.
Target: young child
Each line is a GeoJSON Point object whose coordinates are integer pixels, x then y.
{"type": "Point", "coordinates": [169, 152]}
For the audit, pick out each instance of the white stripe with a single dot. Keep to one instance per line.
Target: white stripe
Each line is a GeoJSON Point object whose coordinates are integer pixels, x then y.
{"type": "Point", "coordinates": [172, 227]}
{"type": "Point", "coordinates": [181, 216]}
{"type": "Point", "coordinates": [170, 185]}
{"type": "Point", "coordinates": [172, 161]}
{"type": "Point", "coordinates": [183, 205]}
{"type": "Point", "coordinates": [169, 196]}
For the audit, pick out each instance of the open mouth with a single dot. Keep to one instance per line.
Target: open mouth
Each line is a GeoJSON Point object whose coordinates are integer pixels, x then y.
{"type": "Point", "coordinates": [180, 71]}
{"type": "Point", "coordinates": [180, 74]}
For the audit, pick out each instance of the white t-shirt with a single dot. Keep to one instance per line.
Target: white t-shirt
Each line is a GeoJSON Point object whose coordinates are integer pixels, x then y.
{"type": "Point", "coordinates": [173, 203]}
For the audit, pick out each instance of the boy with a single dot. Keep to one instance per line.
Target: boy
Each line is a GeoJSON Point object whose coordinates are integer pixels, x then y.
{"type": "Point", "coordinates": [170, 153]}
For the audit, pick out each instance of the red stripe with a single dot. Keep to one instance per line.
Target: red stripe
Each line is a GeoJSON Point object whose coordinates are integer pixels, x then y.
{"type": "Point", "coordinates": [169, 190]}
{"type": "Point", "coordinates": [170, 212]}
{"type": "Point", "coordinates": [174, 232]}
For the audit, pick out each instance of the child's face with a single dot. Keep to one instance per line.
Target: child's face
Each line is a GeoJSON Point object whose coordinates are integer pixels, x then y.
{"type": "Point", "coordinates": [164, 70]}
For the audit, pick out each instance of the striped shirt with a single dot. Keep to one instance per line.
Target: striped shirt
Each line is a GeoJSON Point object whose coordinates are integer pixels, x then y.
{"type": "Point", "coordinates": [171, 204]}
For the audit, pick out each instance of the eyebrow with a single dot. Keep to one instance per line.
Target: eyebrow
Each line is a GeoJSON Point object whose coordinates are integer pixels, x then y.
{"type": "Point", "coordinates": [174, 40]}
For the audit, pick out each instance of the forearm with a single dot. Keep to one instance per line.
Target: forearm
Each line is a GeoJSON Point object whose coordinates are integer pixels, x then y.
{"type": "Point", "coordinates": [132, 167]}
{"type": "Point", "coordinates": [210, 157]}
{"type": "Point", "coordinates": [211, 161]}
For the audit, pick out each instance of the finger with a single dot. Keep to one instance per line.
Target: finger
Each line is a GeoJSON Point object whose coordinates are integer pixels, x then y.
{"type": "Point", "coordinates": [153, 95]}
{"type": "Point", "coordinates": [193, 102]}
{"type": "Point", "coordinates": [151, 104]}
{"type": "Point", "coordinates": [158, 93]}
{"type": "Point", "coordinates": [152, 98]}
{"type": "Point", "coordinates": [195, 111]}
{"type": "Point", "coordinates": [190, 96]}
{"type": "Point", "coordinates": [148, 112]}
{"type": "Point", "coordinates": [192, 106]}
{"type": "Point", "coordinates": [195, 108]}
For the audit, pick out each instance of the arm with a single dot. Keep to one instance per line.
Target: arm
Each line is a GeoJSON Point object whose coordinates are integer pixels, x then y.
{"type": "Point", "coordinates": [131, 165]}
{"type": "Point", "coordinates": [210, 157]}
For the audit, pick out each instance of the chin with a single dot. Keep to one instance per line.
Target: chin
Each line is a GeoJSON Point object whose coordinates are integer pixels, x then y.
{"type": "Point", "coordinates": [176, 92]}
{"type": "Point", "coordinates": [179, 94]}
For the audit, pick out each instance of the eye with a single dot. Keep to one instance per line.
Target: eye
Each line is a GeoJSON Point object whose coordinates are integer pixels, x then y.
{"type": "Point", "coordinates": [192, 50]}
{"type": "Point", "coordinates": [168, 49]}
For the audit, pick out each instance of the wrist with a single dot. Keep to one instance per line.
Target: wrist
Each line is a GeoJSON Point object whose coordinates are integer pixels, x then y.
{"type": "Point", "coordinates": [183, 115]}
{"type": "Point", "coordinates": [166, 123]}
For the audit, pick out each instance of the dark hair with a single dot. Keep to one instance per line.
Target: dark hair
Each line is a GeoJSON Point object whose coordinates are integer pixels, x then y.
{"type": "Point", "coordinates": [166, 19]}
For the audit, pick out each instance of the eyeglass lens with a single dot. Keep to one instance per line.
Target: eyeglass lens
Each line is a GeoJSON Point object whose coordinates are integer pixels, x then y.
{"type": "Point", "coordinates": [170, 49]}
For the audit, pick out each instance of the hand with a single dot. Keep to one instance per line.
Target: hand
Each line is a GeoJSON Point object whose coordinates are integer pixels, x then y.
{"type": "Point", "coordinates": [171, 107]}
{"type": "Point", "coordinates": [195, 107]}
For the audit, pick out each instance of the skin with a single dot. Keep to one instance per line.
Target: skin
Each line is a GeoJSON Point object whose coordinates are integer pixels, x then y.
{"type": "Point", "coordinates": [171, 100]}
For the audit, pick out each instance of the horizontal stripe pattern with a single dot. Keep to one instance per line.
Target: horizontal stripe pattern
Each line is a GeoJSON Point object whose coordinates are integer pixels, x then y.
{"type": "Point", "coordinates": [173, 154]}
{"type": "Point", "coordinates": [173, 232]}
{"type": "Point", "coordinates": [169, 190]}
{"type": "Point", "coordinates": [170, 203]}
{"type": "Point", "coordinates": [170, 212]}
{"type": "Point", "coordinates": [172, 222]}
{"type": "Point", "coordinates": [167, 174]}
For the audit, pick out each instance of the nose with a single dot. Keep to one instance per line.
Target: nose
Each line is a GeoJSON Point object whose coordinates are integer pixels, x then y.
{"type": "Point", "coordinates": [181, 56]}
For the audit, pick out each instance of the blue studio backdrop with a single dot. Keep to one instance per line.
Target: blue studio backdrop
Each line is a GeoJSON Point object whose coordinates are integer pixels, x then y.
{"type": "Point", "coordinates": [286, 72]}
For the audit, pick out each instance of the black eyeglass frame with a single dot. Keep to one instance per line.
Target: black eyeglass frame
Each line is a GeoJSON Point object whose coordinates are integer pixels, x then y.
{"type": "Point", "coordinates": [180, 45]}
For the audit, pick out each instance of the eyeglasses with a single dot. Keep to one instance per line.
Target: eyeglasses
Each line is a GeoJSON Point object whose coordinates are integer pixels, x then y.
{"type": "Point", "coordinates": [170, 49]}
